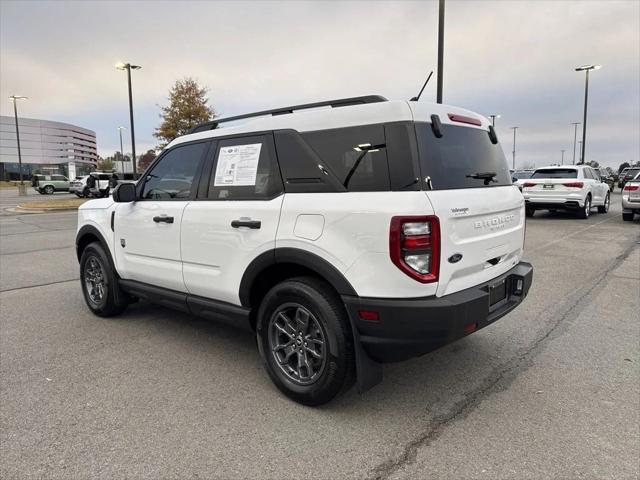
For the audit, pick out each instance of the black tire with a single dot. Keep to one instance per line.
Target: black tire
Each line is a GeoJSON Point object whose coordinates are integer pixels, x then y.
{"type": "Point", "coordinates": [627, 216]}
{"type": "Point", "coordinates": [79, 195]}
{"type": "Point", "coordinates": [49, 190]}
{"type": "Point", "coordinates": [86, 193]}
{"type": "Point", "coordinates": [40, 192]}
{"type": "Point", "coordinates": [327, 329]}
{"type": "Point", "coordinates": [586, 210]}
{"type": "Point", "coordinates": [112, 300]}
{"type": "Point", "coordinates": [605, 208]}
{"type": "Point", "coordinates": [529, 212]}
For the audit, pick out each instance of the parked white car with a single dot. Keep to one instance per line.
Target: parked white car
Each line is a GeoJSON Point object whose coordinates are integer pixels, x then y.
{"type": "Point", "coordinates": [364, 232]}
{"type": "Point", "coordinates": [631, 198]}
{"type": "Point", "coordinates": [575, 188]}
{"type": "Point", "coordinates": [79, 184]}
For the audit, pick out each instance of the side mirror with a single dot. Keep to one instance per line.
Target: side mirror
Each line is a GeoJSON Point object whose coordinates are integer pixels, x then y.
{"type": "Point", "coordinates": [124, 193]}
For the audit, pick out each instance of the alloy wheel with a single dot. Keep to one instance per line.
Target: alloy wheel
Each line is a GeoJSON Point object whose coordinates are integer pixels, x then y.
{"type": "Point", "coordinates": [297, 343]}
{"type": "Point", "coordinates": [94, 280]}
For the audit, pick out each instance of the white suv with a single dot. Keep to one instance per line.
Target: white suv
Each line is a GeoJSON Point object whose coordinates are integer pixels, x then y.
{"type": "Point", "coordinates": [343, 233]}
{"type": "Point", "coordinates": [575, 188]}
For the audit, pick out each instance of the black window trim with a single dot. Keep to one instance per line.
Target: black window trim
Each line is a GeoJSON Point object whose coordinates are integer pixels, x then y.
{"type": "Point", "coordinates": [196, 177]}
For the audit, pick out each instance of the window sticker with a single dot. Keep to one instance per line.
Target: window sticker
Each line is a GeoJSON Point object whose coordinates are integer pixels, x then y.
{"type": "Point", "coordinates": [237, 165]}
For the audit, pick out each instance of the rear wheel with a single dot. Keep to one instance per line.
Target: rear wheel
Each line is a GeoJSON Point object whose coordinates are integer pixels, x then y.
{"type": "Point", "coordinates": [100, 284]}
{"type": "Point", "coordinates": [305, 340]}
{"type": "Point", "coordinates": [627, 216]}
{"type": "Point", "coordinates": [49, 190]}
{"type": "Point", "coordinates": [86, 193]}
{"type": "Point", "coordinates": [529, 212]}
{"type": "Point", "coordinates": [586, 210]}
{"type": "Point", "coordinates": [605, 208]}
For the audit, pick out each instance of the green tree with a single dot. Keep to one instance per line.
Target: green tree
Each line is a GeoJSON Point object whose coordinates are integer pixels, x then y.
{"type": "Point", "coordinates": [593, 163]}
{"type": "Point", "coordinates": [623, 166]}
{"type": "Point", "coordinates": [105, 164]}
{"type": "Point", "coordinates": [146, 159]}
{"type": "Point", "coordinates": [188, 107]}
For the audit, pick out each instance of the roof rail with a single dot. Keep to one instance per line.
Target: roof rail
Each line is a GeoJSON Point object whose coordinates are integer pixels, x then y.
{"type": "Point", "coordinates": [341, 102]}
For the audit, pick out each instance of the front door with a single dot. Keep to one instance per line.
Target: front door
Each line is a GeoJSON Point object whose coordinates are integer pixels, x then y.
{"type": "Point", "coordinates": [147, 231]}
{"type": "Point", "coordinates": [235, 220]}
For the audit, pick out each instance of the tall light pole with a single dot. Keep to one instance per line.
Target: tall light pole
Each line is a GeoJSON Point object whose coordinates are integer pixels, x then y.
{"type": "Point", "coordinates": [121, 152]}
{"type": "Point", "coordinates": [562, 161]}
{"type": "Point", "coordinates": [580, 160]}
{"type": "Point", "coordinates": [514, 146]}
{"type": "Point", "coordinates": [128, 67]}
{"type": "Point", "coordinates": [587, 69]}
{"type": "Point", "coordinates": [14, 99]}
{"type": "Point", "coordinates": [493, 119]}
{"type": "Point", "coordinates": [575, 135]}
{"type": "Point", "coordinates": [440, 49]}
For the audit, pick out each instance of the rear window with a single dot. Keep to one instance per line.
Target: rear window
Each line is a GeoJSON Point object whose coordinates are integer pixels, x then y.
{"type": "Point", "coordinates": [463, 157]}
{"type": "Point", "coordinates": [632, 172]}
{"type": "Point", "coordinates": [521, 175]}
{"type": "Point", "coordinates": [555, 173]}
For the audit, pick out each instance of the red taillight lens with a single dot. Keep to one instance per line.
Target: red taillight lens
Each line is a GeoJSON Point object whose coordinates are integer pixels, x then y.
{"type": "Point", "coordinates": [528, 185]}
{"type": "Point", "coordinates": [463, 119]}
{"type": "Point", "coordinates": [414, 246]}
{"type": "Point", "coordinates": [573, 184]}
{"type": "Point", "coordinates": [631, 188]}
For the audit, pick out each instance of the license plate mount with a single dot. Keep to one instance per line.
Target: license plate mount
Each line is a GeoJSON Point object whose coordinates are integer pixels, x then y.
{"type": "Point", "coordinates": [548, 186]}
{"type": "Point", "coordinates": [497, 292]}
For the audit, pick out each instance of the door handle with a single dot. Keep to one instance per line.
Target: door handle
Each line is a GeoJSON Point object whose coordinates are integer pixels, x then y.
{"type": "Point", "coordinates": [255, 224]}
{"type": "Point", "coordinates": [163, 219]}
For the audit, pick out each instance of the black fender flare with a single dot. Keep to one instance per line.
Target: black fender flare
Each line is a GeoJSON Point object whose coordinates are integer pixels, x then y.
{"type": "Point", "coordinates": [293, 256]}
{"type": "Point", "coordinates": [93, 231]}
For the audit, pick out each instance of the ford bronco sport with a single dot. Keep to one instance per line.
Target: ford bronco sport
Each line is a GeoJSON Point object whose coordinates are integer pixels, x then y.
{"type": "Point", "coordinates": [344, 234]}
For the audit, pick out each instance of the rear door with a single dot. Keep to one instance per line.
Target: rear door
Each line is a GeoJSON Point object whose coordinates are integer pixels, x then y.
{"type": "Point", "coordinates": [235, 217]}
{"type": "Point", "coordinates": [147, 231]}
{"type": "Point", "coordinates": [481, 213]}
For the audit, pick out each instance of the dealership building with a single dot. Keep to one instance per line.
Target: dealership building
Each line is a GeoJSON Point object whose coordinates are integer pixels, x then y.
{"type": "Point", "coordinates": [47, 147]}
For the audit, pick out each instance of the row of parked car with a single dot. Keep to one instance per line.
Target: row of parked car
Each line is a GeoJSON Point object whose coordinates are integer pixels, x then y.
{"type": "Point", "coordinates": [49, 184]}
{"type": "Point", "coordinates": [577, 188]}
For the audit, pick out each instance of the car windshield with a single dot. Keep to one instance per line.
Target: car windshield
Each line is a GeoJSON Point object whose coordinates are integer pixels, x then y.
{"type": "Point", "coordinates": [555, 173]}
{"type": "Point", "coordinates": [463, 157]}
{"type": "Point", "coordinates": [522, 174]}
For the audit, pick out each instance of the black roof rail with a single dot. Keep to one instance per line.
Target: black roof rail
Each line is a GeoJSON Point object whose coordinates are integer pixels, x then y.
{"type": "Point", "coordinates": [341, 102]}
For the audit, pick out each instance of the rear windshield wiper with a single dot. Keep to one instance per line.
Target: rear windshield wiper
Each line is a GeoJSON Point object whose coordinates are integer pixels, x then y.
{"type": "Point", "coordinates": [486, 176]}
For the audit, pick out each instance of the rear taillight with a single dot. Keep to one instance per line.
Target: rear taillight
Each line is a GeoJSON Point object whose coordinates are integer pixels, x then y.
{"type": "Point", "coordinates": [631, 188]}
{"type": "Point", "coordinates": [414, 246]}
{"type": "Point", "coordinates": [528, 185]}
{"type": "Point", "coordinates": [573, 184]}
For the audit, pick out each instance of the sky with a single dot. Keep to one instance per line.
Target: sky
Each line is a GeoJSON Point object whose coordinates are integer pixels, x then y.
{"type": "Point", "coordinates": [512, 58]}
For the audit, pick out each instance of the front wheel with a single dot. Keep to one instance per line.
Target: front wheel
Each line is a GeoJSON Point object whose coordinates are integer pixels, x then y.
{"type": "Point", "coordinates": [586, 210]}
{"type": "Point", "coordinates": [605, 208]}
{"type": "Point", "coordinates": [86, 192]}
{"type": "Point", "coordinates": [100, 284]}
{"type": "Point", "coordinates": [305, 340]}
{"type": "Point", "coordinates": [49, 190]}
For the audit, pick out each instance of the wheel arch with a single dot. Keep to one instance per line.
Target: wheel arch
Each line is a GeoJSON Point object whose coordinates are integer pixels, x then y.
{"type": "Point", "coordinates": [89, 234]}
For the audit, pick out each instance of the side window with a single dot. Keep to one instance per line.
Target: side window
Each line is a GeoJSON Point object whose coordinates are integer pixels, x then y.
{"type": "Point", "coordinates": [58, 178]}
{"type": "Point", "coordinates": [245, 169]}
{"type": "Point", "coordinates": [588, 173]}
{"type": "Point", "coordinates": [172, 177]}
{"type": "Point", "coordinates": [357, 156]}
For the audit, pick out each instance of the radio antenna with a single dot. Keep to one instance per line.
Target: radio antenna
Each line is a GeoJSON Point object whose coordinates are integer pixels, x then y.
{"type": "Point", "coordinates": [415, 99]}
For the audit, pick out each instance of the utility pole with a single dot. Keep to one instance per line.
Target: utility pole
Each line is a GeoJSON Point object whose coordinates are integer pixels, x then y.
{"type": "Point", "coordinates": [575, 136]}
{"type": "Point", "coordinates": [514, 146]}
{"type": "Point", "coordinates": [562, 162]}
{"type": "Point", "coordinates": [14, 98]}
{"type": "Point", "coordinates": [440, 48]}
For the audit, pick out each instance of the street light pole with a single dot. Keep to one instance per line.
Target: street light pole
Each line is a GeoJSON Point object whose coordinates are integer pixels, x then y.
{"type": "Point", "coordinates": [493, 119]}
{"type": "Point", "coordinates": [587, 69]}
{"type": "Point", "coordinates": [121, 151]}
{"type": "Point", "coordinates": [128, 67]}
{"type": "Point", "coordinates": [514, 146]}
{"type": "Point", "coordinates": [562, 161]}
{"type": "Point", "coordinates": [575, 136]}
{"type": "Point", "coordinates": [580, 160]}
{"type": "Point", "coordinates": [14, 99]}
{"type": "Point", "coordinates": [440, 49]}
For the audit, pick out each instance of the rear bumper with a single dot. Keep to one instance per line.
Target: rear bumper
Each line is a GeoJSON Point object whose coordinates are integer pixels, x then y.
{"type": "Point", "coordinates": [630, 206]}
{"type": "Point", "coordinates": [408, 328]}
{"type": "Point", "coordinates": [555, 205]}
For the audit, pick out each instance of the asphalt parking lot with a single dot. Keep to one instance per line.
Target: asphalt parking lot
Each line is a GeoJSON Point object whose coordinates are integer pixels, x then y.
{"type": "Point", "coordinates": [551, 390]}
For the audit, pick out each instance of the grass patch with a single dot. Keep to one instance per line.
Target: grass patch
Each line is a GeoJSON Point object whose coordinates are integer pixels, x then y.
{"type": "Point", "coordinates": [53, 204]}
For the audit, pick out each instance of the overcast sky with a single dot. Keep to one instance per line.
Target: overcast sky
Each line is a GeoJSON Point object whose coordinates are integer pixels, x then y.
{"type": "Point", "coordinates": [514, 58]}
